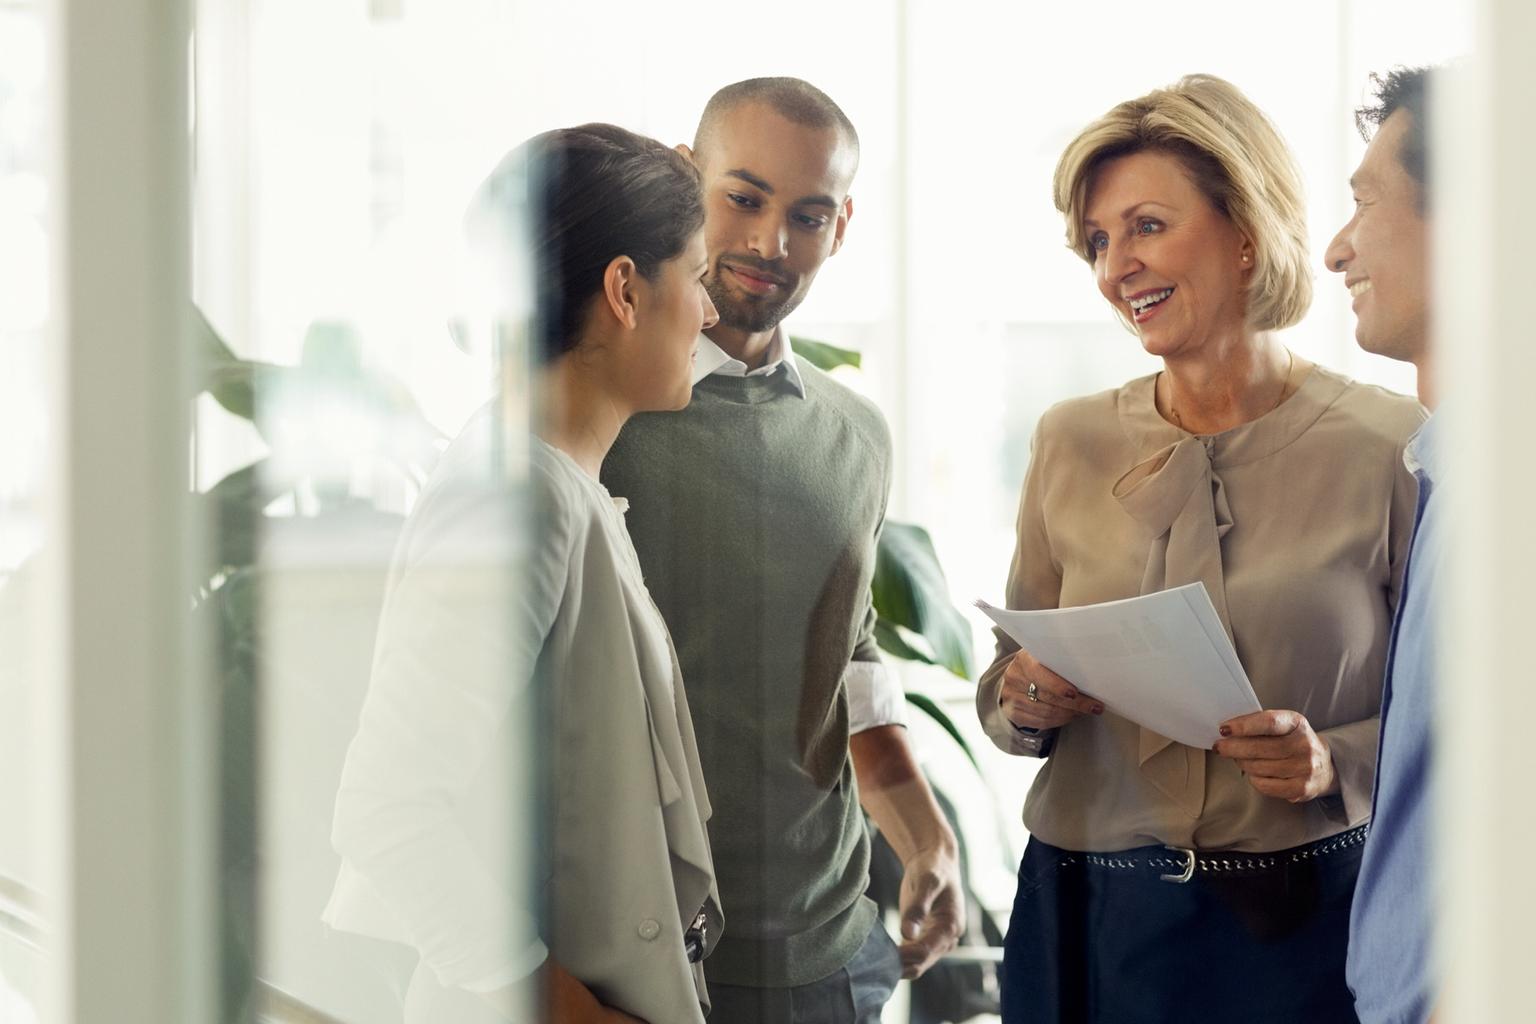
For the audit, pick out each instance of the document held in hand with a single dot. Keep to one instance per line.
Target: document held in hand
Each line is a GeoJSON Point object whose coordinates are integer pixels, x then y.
{"type": "Point", "coordinates": [1161, 660]}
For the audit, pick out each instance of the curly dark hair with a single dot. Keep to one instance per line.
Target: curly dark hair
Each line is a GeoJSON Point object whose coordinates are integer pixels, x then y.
{"type": "Point", "coordinates": [1402, 88]}
{"type": "Point", "coordinates": [576, 199]}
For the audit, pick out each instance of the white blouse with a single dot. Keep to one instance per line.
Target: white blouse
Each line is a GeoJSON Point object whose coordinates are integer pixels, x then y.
{"type": "Point", "coordinates": [435, 813]}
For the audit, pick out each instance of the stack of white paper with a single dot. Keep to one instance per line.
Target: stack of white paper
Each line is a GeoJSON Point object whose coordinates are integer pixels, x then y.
{"type": "Point", "coordinates": [1161, 660]}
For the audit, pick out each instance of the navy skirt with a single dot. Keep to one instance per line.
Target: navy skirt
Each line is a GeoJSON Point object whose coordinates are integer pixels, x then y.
{"type": "Point", "coordinates": [1247, 938]}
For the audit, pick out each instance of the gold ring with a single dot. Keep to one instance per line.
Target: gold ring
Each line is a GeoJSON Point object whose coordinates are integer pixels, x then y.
{"type": "Point", "coordinates": [1033, 693]}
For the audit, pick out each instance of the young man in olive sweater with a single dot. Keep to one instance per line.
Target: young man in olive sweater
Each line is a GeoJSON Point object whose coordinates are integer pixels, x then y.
{"type": "Point", "coordinates": [756, 513]}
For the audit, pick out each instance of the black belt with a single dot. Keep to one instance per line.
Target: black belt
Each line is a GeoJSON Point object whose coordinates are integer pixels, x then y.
{"type": "Point", "coordinates": [1180, 864]}
{"type": "Point", "coordinates": [696, 938]}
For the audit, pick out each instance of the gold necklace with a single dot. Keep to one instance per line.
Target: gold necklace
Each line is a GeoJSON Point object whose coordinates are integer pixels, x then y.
{"type": "Point", "coordinates": [1285, 383]}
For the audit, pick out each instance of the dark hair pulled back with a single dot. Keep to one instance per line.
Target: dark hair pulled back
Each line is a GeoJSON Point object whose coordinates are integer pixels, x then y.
{"type": "Point", "coordinates": [583, 197]}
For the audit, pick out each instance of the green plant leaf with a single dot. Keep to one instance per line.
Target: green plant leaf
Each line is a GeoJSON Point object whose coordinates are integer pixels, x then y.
{"type": "Point", "coordinates": [242, 387]}
{"type": "Point", "coordinates": [229, 379]}
{"type": "Point", "coordinates": [211, 347]}
{"type": "Point", "coordinates": [235, 383]}
{"type": "Point", "coordinates": [910, 592]}
{"type": "Point", "coordinates": [892, 641]}
{"type": "Point", "coordinates": [331, 369]}
{"type": "Point", "coordinates": [824, 356]}
{"type": "Point", "coordinates": [233, 508]}
{"type": "Point", "coordinates": [928, 707]}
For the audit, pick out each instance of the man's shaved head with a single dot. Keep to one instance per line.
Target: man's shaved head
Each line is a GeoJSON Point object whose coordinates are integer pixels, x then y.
{"type": "Point", "coordinates": [794, 99]}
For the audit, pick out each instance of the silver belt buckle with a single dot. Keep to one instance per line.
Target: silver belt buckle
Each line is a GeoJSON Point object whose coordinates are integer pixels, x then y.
{"type": "Point", "coordinates": [1189, 865]}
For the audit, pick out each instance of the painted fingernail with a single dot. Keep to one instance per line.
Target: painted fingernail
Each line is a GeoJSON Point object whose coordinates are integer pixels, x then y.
{"type": "Point", "coordinates": [1071, 695]}
{"type": "Point", "coordinates": [1098, 709]}
{"type": "Point", "coordinates": [1226, 730]}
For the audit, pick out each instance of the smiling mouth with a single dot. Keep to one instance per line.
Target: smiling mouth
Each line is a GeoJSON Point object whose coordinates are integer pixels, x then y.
{"type": "Point", "coordinates": [755, 281]}
{"type": "Point", "coordinates": [1359, 288]}
{"type": "Point", "coordinates": [1143, 305]}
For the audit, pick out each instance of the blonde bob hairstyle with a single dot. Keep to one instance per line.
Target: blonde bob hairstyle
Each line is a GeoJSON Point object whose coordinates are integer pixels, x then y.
{"type": "Point", "coordinates": [1235, 157]}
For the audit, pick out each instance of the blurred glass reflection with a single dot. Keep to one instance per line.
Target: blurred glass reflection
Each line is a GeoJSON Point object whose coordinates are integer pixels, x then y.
{"type": "Point", "coordinates": [24, 308]}
{"type": "Point", "coordinates": [328, 227]}
{"type": "Point", "coordinates": [337, 145]}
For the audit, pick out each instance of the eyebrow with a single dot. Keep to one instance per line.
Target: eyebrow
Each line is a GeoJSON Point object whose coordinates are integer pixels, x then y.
{"type": "Point", "coordinates": [762, 186]}
{"type": "Point", "coordinates": [1124, 214]}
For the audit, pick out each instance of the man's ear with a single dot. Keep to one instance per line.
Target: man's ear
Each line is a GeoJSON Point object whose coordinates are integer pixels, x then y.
{"type": "Point", "coordinates": [843, 217]}
{"type": "Point", "coordinates": [682, 147]}
{"type": "Point", "coordinates": [620, 291]}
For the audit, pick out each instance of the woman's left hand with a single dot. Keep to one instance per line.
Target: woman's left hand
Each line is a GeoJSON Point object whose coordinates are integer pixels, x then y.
{"type": "Point", "coordinates": [1280, 754]}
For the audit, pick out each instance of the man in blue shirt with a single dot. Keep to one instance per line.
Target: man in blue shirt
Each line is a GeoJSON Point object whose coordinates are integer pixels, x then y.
{"type": "Point", "coordinates": [1384, 256]}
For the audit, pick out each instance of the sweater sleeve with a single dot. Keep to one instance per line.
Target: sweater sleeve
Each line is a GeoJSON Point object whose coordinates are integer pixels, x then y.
{"type": "Point", "coordinates": [1034, 582]}
{"type": "Point", "coordinates": [458, 640]}
{"type": "Point", "coordinates": [875, 695]}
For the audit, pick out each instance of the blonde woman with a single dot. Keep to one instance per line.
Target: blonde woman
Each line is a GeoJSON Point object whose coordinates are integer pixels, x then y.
{"type": "Point", "coordinates": [1163, 882]}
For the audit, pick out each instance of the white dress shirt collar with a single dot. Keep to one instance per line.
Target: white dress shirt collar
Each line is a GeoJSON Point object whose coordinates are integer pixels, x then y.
{"type": "Point", "coordinates": [713, 359]}
{"type": "Point", "coordinates": [1425, 453]}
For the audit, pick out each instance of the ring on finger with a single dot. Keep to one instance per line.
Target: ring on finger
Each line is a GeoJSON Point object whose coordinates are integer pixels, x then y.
{"type": "Point", "coordinates": [1033, 693]}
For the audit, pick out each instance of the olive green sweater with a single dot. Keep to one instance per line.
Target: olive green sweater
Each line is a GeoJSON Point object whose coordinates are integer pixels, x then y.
{"type": "Point", "coordinates": [756, 513]}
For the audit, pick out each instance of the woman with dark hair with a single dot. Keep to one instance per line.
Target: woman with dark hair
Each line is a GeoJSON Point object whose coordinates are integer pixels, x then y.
{"type": "Point", "coordinates": [487, 641]}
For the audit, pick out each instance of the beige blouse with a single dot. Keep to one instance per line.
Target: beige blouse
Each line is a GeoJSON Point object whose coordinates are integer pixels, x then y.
{"type": "Point", "coordinates": [1298, 524]}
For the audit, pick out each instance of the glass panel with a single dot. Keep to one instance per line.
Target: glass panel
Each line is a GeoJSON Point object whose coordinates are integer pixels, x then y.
{"type": "Point", "coordinates": [337, 148]}
{"type": "Point", "coordinates": [348, 344]}
{"type": "Point", "coordinates": [24, 259]}
{"type": "Point", "coordinates": [329, 202]}
{"type": "Point", "coordinates": [24, 412]}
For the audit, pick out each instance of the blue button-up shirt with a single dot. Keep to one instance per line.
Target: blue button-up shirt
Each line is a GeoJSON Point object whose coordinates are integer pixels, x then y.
{"type": "Point", "coordinates": [1390, 969]}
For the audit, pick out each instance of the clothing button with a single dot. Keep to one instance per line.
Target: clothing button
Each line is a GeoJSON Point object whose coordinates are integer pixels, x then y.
{"type": "Point", "coordinates": [649, 929]}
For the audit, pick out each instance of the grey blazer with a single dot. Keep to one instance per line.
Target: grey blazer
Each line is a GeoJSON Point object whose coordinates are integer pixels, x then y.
{"type": "Point", "coordinates": [434, 810]}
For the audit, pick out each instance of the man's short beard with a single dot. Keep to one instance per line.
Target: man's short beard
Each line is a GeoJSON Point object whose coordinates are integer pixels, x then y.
{"type": "Point", "coordinates": [752, 317]}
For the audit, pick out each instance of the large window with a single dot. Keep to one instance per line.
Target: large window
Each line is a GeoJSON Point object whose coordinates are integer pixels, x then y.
{"type": "Point", "coordinates": [337, 147]}
{"type": "Point", "coordinates": [334, 354]}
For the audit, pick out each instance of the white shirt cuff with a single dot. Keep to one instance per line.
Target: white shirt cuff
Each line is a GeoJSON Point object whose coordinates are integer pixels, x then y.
{"type": "Point", "coordinates": [874, 696]}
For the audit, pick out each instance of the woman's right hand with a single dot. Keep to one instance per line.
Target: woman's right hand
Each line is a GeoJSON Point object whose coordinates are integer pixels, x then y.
{"type": "Point", "coordinates": [568, 1001]}
{"type": "Point", "coordinates": [571, 1002]}
{"type": "Point", "coordinates": [1056, 701]}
